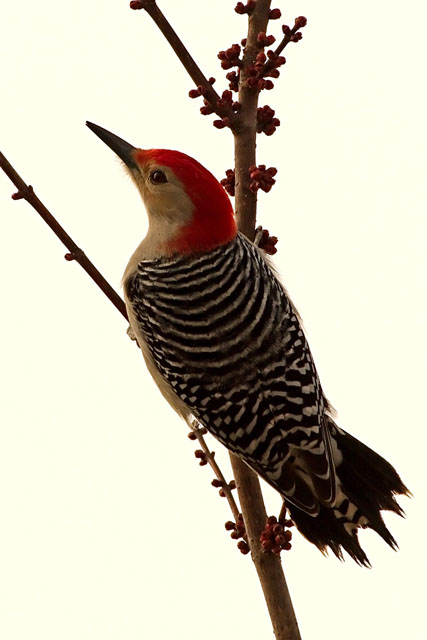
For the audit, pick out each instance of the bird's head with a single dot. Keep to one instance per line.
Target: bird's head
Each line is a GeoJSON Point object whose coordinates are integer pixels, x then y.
{"type": "Point", "coordinates": [188, 210]}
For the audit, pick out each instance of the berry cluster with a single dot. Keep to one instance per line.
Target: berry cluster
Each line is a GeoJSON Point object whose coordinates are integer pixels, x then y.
{"type": "Point", "coordinates": [266, 122]}
{"type": "Point", "coordinates": [263, 40]}
{"type": "Point", "coordinates": [226, 102]}
{"type": "Point", "coordinates": [201, 90]}
{"type": "Point", "coordinates": [267, 242]}
{"type": "Point", "coordinates": [274, 61]}
{"type": "Point", "coordinates": [263, 68]}
{"type": "Point", "coordinates": [274, 538]}
{"type": "Point", "coordinates": [300, 22]}
{"type": "Point", "coordinates": [245, 8]}
{"type": "Point", "coordinates": [294, 35]}
{"type": "Point", "coordinates": [200, 455]}
{"type": "Point", "coordinates": [221, 124]}
{"type": "Point", "coordinates": [193, 433]}
{"type": "Point", "coordinates": [258, 74]}
{"type": "Point", "coordinates": [261, 177]}
{"type": "Point", "coordinates": [203, 456]}
{"type": "Point", "coordinates": [222, 486]}
{"type": "Point", "coordinates": [256, 82]}
{"type": "Point", "coordinates": [229, 182]}
{"type": "Point", "coordinates": [238, 531]}
{"type": "Point", "coordinates": [230, 57]}
{"type": "Point", "coordinates": [207, 108]}
{"type": "Point", "coordinates": [233, 78]}
{"type": "Point", "coordinates": [249, 7]}
{"type": "Point", "coordinates": [274, 14]}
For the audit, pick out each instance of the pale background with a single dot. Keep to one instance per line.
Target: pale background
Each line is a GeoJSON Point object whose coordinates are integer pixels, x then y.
{"type": "Point", "coordinates": [109, 529]}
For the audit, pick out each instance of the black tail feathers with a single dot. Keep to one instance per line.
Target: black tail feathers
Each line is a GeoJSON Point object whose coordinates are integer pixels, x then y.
{"type": "Point", "coordinates": [367, 485]}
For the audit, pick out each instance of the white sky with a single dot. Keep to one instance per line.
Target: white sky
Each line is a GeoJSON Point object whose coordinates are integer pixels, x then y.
{"type": "Point", "coordinates": [109, 529]}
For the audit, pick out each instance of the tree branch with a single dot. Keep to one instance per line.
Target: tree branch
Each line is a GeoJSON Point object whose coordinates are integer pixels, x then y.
{"type": "Point", "coordinates": [268, 565]}
{"type": "Point", "coordinates": [26, 192]}
{"type": "Point", "coordinates": [186, 59]}
{"type": "Point", "coordinates": [209, 456]}
{"type": "Point", "coordinates": [291, 35]}
{"type": "Point", "coordinates": [245, 137]}
{"type": "Point", "coordinates": [244, 125]}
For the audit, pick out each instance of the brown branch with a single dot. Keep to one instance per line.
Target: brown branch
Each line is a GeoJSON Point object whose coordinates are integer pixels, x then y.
{"type": "Point", "coordinates": [245, 136]}
{"type": "Point", "coordinates": [287, 38]}
{"type": "Point", "coordinates": [186, 59]}
{"type": "Point", "coordinates": [26, 192]}
{"type": "Point", "coordinates": [210, 458]}
{"type": "Point", "coordinates": [244, 124]}
{"type": "Point", "coordinates": [267, 564]}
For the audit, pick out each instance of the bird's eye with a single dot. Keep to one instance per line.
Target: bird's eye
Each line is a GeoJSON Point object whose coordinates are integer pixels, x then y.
{"type": "Point", "coordinates": [158, 177]}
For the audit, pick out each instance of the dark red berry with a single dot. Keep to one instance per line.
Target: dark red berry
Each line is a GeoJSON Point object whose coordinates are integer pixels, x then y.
{"type": "Point", "coordinates": [243, 547]}
{"type": "Point", "coordinates": [300, 22]}
{"type": "Point", "coordinates": [296, 37]}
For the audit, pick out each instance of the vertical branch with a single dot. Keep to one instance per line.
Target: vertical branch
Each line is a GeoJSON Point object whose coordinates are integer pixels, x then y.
{"type": "Point", "coordinates": [268, 565]}
{"type": "Point", "coordinates": [244, 128]}
{"type": "Point", "coordinates": [245, 134]}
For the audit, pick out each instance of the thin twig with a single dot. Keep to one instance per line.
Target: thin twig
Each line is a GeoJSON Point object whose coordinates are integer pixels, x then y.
{"type": "Point", "coordinates": [210, 457]}
{"type": "Point", "coordinates": [269, 65]}
{"type": "Point", "coordinates": [26, 192]}
{"type": "Point", "coordinates": [187, 61]}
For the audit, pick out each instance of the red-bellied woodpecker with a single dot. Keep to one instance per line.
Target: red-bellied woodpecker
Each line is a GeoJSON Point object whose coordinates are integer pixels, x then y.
{"type": "Point", "coordinates": [223, 342]}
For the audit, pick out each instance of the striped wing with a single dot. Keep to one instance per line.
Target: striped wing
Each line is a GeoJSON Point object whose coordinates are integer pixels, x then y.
{"type": "Point", "coordinates": [224, 335]}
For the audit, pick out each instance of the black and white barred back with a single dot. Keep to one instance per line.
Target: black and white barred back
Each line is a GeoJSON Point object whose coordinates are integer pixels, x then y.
{"type": "Point", "coordinates": [225, 336]}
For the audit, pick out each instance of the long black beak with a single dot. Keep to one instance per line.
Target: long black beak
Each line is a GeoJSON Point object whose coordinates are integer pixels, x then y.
{"type": "Point", "coordinates": [123, 149]}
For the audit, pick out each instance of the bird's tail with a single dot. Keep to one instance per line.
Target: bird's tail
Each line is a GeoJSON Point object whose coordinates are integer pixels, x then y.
{"type": "Point", "coordinates": [367, 484]}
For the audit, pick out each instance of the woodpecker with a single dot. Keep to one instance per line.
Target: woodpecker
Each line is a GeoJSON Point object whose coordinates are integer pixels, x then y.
{"type": "Point", "coordinates": [224, 343]}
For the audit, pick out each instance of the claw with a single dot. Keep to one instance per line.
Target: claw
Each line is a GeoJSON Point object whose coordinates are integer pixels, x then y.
{"type": "Point", "coordinates": [258, 236]}
{"type": "Point", "coordinates": [130, 333]}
